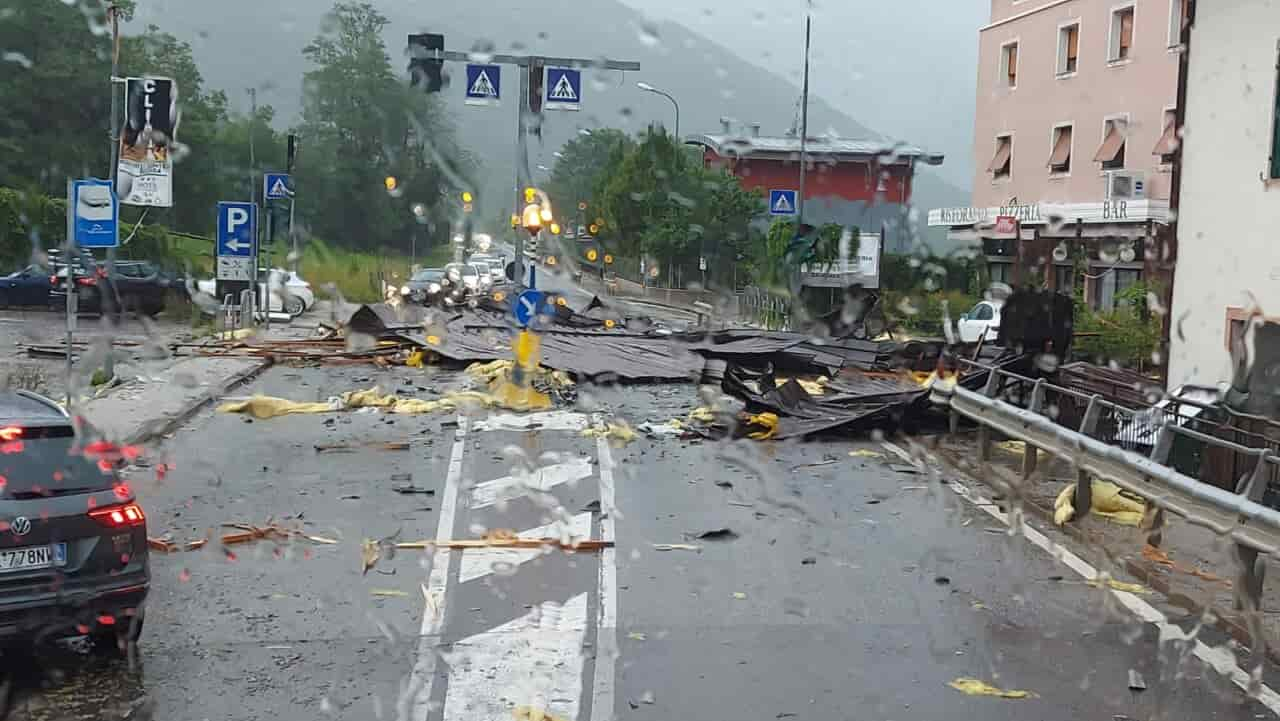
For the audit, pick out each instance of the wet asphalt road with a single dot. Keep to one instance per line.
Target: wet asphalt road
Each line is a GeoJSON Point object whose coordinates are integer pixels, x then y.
{"type": "Point", "coordinates": [847, 589]}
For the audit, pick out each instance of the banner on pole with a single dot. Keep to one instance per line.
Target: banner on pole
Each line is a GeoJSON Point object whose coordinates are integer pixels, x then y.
{"type": "Point", "coordinates": [146, 142]}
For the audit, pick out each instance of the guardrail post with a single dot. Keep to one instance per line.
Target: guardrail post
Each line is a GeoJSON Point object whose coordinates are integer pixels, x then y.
{"type": "Point", "coordinates": [1249, 579]}
{"type": "Point", "coordinates": [1164, 444]}
{"type": "Point", "coordinates": [1084, 494]}
{"type": "Point", "coordinates": [993, 384]}
{"type": "Point", "coordinates": [1089, 424]}
{"type": "Point", "coordinates": [1029, 457]}
{"type": "Point", "coordinates": [1037, 397]}
{"type": "Point", "coordinates": [1254, 484]}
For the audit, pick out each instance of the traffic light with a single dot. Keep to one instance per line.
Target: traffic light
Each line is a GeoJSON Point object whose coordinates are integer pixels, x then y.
{"type": "Point", "coordinates": [535, 86]}
{"type": "Point", "coordinates": [555, 229]}
{"type": "Point", "coordinates": [530, 195]}
{"type": "Point", "coordinates": [592, 254]}
{"type": "Point", "coordinates": [391, 182]}
{"type": "Point", "coordinates": [421, 68]}
{"type": "Point", "coordinates": [593, 229]}
{"type": "Point", "coordinates": [467, 197]}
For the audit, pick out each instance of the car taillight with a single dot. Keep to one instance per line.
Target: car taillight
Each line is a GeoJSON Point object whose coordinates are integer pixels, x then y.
{"type": "Point", "coordinates": [86, 281]}
{"type": "Point", "coordinates": [10, 433]}
{"type": "Point", "coordinates": [124, 516]}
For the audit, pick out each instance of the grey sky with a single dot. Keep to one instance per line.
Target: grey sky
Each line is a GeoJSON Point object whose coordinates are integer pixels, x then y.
{"type": "Point", "coordinates": [906, 68]}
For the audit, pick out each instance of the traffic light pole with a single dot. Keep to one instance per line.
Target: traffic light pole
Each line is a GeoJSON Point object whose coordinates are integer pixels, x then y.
{"type": "Point", "coordinates": [524, 102]}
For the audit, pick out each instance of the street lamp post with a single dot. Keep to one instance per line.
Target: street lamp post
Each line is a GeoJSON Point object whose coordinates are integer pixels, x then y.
{"type": "Point", "coordinates": [651, 89]}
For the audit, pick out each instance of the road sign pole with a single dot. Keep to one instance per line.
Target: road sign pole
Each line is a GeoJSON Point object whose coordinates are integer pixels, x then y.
{"type": "Point", "coordinates": [292, 153]}
{"type": "Point", "coordinates": [107, 299]}
{"type": "Point", "coordinates": [522, 104]}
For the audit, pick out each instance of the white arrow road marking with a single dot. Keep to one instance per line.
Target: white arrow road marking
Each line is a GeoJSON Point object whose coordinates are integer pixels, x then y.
{"type": "Point", "coordinates": [478, 563]}
{"type": "Point", "coordinates": [541, 479]}
{"type": "Point", "coordinates": [535, 660]}
{"type": "Point", "coordinates": [547, 421]}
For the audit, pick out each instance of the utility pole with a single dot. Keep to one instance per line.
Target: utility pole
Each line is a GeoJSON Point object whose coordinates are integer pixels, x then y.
{"type": "Point", "coordinates": [796, 280]}
{"type": "Point", "coordinates": [253, 120]}
{"type": "Point", "coordinates": [109, 363]}
{"type": "Point", "coordinates": [292, 153]}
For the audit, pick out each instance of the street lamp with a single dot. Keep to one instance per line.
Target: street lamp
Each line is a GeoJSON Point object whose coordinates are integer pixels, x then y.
{"type": "Point", "coordinates": [651, 89]}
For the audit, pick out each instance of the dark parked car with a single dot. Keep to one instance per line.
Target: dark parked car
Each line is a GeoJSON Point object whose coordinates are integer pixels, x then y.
{"type": "Point", "coordinates": [73, 540]}
{"type": "Point", "coordinates": [139, 286]}
{"type": "Point", "coordinates": [424, 286]}
{"type": "Point", "coordinates": [29, 286]}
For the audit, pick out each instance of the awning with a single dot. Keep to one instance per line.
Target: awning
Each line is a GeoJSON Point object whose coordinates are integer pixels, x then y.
{"type": "Point", "coordinates": [1168, 143]}
{"type": "Point", "coordinates": [1111, 144]}
{"type": "Point", "coordinates": [1061, 149]}
{"type": "Point", "coordinates": [1003, 150]}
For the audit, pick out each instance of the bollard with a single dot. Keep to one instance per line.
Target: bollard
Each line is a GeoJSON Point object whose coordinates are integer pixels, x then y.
{"type": "Point", "coordinates": [984, 443]}
{"type": "Point", "coordinates": [1250, 576]}
{"type": "Point", "coordinates": [1029, 458]}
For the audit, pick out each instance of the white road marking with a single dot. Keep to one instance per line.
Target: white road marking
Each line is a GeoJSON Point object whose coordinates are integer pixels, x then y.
{"type": "Point", "coordinates": [1220, 659]}
{"type": "Point", "coordinates": [541, 479]}
{"type": "Point", "coordinates": [535, 661]}
{"type": "Point", "coordinates": [602, 687]}
{"type": "Point", "coordinates": [433, 615]}
{"type": "Point", "coordinates": [547, 421]}
{"type": "Point", "coordinates": [480, 562]}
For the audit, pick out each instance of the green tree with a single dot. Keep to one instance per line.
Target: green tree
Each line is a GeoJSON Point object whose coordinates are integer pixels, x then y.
{"type": "Point", "coordinates": [581, 169]}
{"type": "Point", "coordinates": [362, 126]}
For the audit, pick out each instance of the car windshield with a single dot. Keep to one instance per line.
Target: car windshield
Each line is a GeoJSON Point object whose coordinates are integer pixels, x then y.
{"type": "Point", "coordinates": [655, 359]}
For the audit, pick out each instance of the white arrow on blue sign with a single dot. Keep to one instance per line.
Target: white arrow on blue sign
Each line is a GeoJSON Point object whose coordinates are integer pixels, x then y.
{"type": "Point", "coordinates": [277, 186]}
{"type": "Point", "coordinates": [484, 84]}
{"type": "Point", "coordinates": [96, 213]}
{"type": "Point", "coordinates": [563, 89]}
{"type": "Point", "coordinates": [526, 306]}
{"type": "Point", "coordinates": [782, 202]}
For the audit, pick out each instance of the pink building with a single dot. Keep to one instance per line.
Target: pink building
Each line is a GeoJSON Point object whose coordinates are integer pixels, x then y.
{"type": "Point", "coordinates": [1073, 137]}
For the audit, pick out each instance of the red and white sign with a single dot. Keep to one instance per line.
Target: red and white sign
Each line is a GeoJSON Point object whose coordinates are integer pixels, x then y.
{"type": "Point", "coordinates": [1006, 225]}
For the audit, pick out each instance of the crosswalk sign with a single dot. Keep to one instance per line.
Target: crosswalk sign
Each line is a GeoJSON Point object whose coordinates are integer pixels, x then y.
{"type": "Point", "coordinates": [563, 89]}
{"type": "Point", "coordinates": [277, 186]}
{"type": "Point", "coordinates": [782, 202]}
{"type": "Point", "coordinates": [484, 84]}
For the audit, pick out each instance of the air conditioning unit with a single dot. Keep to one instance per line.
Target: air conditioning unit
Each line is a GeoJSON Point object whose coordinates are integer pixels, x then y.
{"type": "Point", "coordinates": [1125, 185]}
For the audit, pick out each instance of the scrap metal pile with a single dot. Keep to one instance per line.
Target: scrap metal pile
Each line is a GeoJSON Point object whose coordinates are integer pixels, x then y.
{"type": "Point", "coordinates": [807, 385]}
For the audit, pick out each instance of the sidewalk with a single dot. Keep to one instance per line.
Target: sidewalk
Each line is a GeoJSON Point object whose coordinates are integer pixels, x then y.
{"type": "Point", "coordinates": [1192, 568]}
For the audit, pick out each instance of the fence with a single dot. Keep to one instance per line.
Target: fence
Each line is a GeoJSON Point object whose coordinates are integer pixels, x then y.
{"type": "Point", "coordinates": [770, 310]}
{"type": "Point", "coordinates": [1146, 451]}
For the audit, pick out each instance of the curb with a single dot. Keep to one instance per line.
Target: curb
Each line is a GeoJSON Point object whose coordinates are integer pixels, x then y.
{"type": "Point", "coordinates": [155, 429]}
{"type": "Point", "coordinates": [1231, 625]}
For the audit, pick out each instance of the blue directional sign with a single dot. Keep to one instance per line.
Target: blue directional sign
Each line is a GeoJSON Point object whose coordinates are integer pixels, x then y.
{"type": "Point", "coordinates": [484, 84]}
{"type": "Point", "coordinates": [95, 214]}
{"type": "Point", "coordinates": [782, 202]}
{"type": "Point", "coordinates": [277, 186]}
{"type": "Point", "coordinates": [563, 89]}
{"type": "Point", "coordinates": [237, 240]}
{"type": "Point", "coordinates": [526, 306]}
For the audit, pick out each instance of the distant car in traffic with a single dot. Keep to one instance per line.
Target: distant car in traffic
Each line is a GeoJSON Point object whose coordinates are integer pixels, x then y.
{"type": "Point", "coordinates": [424, 286]}
{"type": "Point", "coordinates": [462, 284]}
{"type": "Point", "coordinates": [29, 286]}
{"type": "Point", "coordinates": [497, 267]}
{"type": "Point", "coordinates": [73, 556]}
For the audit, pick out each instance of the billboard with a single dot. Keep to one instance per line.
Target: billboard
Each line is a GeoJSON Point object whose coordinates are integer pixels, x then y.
{"type": "Point", "coordinates": [146, 142]}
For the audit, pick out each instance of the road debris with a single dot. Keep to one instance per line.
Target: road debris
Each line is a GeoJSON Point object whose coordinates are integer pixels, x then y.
{"type": "Point", "coordinates": [976, 687]}
{"type": "Point", "coordinates": [672, 427]}
{"type": "Point", "coordinates": [1119, 586]}
{"type": "Point", "coordinates": [387, 593]}
{"type": "Point", "coordinates": [1161, 557]}
{"type": "Point", "coordinates": [410, 489]}
{"type": "Point", "coordinates": [768, 422]}
{"type": "Point", "coordinates": [166, 545]}
{"type": "Point", "coordinates": [739, 595]}
{"type": "Point", "coordinates": [865, 453]}
{"type": "Point", "coordinates": [509, 542]}
{"type": "Point", "coordinates": [676, 547]}
{"type": "Point", "coordinates": [529, 713]}
{"type": "Point", "coordinates": [1136, 682]}
{"type": "Point", "coordinates": [636, 636]}
{"type": "Point", "coordinates": [1109, 501]}
{"type": "Point", "coordinates": [243, 533]}
{"type": "Point", "coordinates": [718, 534]}
{"type": "Point", "coordinates": [618, 432]}
{"type": "Point", "coordinates": [353, 447]}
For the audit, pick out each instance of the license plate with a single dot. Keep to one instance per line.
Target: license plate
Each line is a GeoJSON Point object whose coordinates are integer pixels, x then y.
{"type": "Point", "coordinates": [32, 557]}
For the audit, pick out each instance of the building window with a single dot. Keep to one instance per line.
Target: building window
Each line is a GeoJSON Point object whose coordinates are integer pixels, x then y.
{"type": "Point", "coordinates": [1002, 161]}
{"type": "Point", "coordinates": [1167, 146]}
{"type": "Point", "coordinates": [1177, 16]}
{"type": "Point", "coordinates": [1068, 48]}
{"type": "Point", "coordinates": [1111, 152]}
{"type": "Point", "coordinates": [1275, 123]}
{"type": "Point", "coordinates": [1009, 64]}
{"type": "Point", "coordinates": [1108, 288]}
{"type": "Point", "coordinates": [1060, 153]}
{"type": "Point", "coordinates": [1121, 34]}
{"type": "Point", "coordinates": [1000, 272]}
{"type": "Point", "coordinates": [1064, 278]}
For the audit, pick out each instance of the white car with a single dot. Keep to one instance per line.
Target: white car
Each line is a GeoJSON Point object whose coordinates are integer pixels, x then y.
{"type": "Point", "coordinates": [295, 298]}
{"type": "Point", "coordinates": [983, 321]}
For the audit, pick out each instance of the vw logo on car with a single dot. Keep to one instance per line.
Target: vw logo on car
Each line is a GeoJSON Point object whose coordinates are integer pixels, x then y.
{"type": "Point", "coordinates": [21, 526]}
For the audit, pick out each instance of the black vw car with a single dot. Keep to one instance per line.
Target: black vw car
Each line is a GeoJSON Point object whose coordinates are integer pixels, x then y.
{"type": "Point", "coordinates": [73, 539]}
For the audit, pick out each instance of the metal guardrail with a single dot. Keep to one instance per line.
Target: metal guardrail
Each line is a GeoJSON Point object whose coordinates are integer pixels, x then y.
{"type": "Point", "coordinates": [1238, 515]}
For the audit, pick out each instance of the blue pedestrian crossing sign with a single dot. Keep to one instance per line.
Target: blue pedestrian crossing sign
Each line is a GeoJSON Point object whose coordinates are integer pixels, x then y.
{"type": "Point", "coordinates": [563, 89]}
{"type": "Point", "coordinates": [277, 186]}
{"type": "Point", "coordinates": [782, 202]}
{"type": "Point", "coordinates": [484, 84]}
{"type": "Point", "coordinates": [526, 306]}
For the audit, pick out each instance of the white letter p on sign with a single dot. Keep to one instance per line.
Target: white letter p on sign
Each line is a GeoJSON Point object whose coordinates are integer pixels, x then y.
{"type": "Point", "coordinates": [236, 217]}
